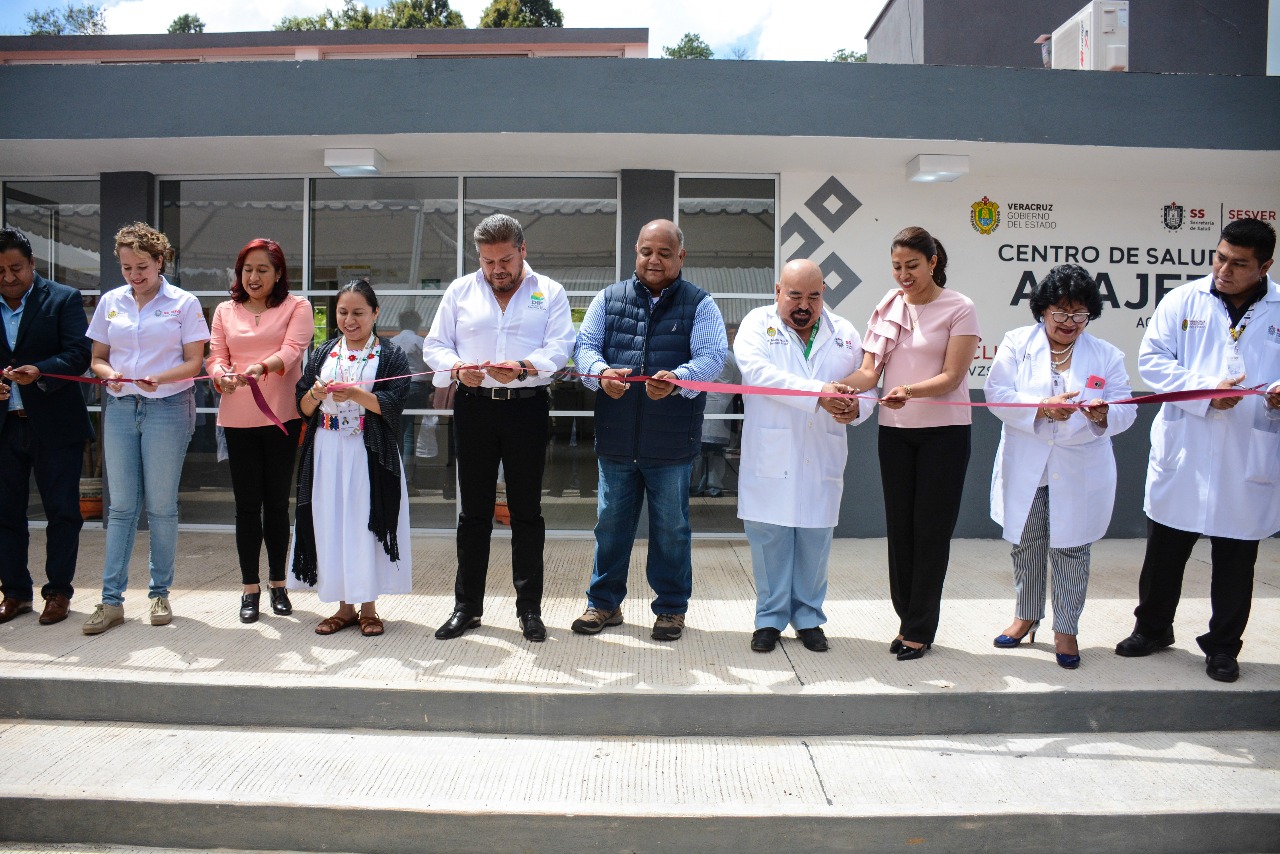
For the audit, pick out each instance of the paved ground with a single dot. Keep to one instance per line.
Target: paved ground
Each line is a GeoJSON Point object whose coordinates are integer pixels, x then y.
{"type": "Point", "coordinates": [207, 644]}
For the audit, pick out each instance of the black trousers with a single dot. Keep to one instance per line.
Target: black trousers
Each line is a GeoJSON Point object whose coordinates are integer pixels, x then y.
{"type": "Point", "coordinates": [57, 473]}
{"type": "Point", "coordinates": [922, 471]}
{"type": "Point", "coordinates": [262, 461]}
{"type": "Point", "coordinates": [513, 433]}
{"type": "Point", "coordinates": [1230, 591]}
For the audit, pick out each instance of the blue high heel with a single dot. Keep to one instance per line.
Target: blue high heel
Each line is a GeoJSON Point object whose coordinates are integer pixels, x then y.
{"type": "Point", "coordinates": [1066, 661]}
{"type": "Point", "coordinates": [1009, 642]}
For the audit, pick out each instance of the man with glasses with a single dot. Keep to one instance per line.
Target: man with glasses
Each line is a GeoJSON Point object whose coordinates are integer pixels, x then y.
{"type": "Point", "coordinates": [1214, 468]}
{"type": "Point", "coordinates": [499, 334]}
{"type": "Point", "coordinates": [43, 427]}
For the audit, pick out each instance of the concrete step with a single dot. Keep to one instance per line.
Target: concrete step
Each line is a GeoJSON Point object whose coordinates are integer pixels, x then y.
{"type": "Point", "coordinates": [76, 848]}
{"type": "Point", "coordinates": [134, 784]}
{"type": "Point", "coordinates": [208, 668]}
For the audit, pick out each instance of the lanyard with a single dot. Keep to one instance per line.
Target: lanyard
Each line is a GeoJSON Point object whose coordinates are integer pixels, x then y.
{"type": "Point", "coordinates": [1238, 330]}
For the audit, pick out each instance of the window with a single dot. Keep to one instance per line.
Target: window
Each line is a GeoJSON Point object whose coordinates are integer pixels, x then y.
{"type": "Point", "coordinates": [61, 219]}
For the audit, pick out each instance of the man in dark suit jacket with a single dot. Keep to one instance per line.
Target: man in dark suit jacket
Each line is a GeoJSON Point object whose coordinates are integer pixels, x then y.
{"type": "Point", "coordinates": [43, 427]}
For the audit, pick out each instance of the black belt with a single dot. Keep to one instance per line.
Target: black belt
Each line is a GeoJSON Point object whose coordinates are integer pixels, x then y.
{"type": "Point", "coordinates": [503, 393]}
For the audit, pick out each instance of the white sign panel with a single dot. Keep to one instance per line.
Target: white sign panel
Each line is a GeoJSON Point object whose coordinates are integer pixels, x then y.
{"type": "Point", "coordinates": [1003, 236]}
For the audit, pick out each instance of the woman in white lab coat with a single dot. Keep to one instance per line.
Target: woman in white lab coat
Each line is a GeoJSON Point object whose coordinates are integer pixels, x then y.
{"type": "Point", "coordinates": [1054, 481]}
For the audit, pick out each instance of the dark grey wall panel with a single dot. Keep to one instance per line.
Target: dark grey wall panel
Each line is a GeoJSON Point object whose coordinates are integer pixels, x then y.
{"type": "Point", "coordinates": [647, 194]}
{"type": "Point", "coordinates": [125, 197]}
{"type": "Point", "coordinates": [1169, 36]}
{"type": "Point", "coordinates": [607, 96]}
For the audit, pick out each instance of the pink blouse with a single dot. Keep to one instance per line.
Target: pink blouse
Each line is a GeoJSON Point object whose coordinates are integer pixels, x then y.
{"type": "Point", "coordinates": [919, 354]}
{"type": "Point", "coordinates": [241, 338]}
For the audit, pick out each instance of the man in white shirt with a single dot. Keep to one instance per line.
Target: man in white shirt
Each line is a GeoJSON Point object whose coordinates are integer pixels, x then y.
{"type": "Point", "coordinates": [501, 333]}
{"type": "Point", "coordinates": [1214, 468]}
{"type": "Point", "coordinates": [793, 453]}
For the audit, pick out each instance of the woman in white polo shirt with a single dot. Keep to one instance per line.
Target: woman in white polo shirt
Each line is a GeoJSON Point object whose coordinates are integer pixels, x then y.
{"type": "Point", "coordinates": [154, 333]}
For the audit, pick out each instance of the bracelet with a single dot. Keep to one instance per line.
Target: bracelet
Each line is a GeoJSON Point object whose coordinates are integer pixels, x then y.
{"type": "Point", "coordinates": [907, 389]}
{"type": "Point", "coordinates": [312, 393]}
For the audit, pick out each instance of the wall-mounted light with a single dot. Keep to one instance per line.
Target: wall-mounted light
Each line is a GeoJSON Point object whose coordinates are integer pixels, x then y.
{"type": "Point", "coordinates": [936, 168]}
{"type": "Point", "coordinates": [353, 162]}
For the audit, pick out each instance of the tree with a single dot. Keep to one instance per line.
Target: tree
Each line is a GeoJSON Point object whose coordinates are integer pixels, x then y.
{"type": "Point", "coordinates": [740, 53]}
{"type": "Point", "coordinates": [522, 13]}
{"type": "Point", "coordinates": [83, 20]}
{"type": "Point", "coordinates": [843, 55]}
{"type": "Point", "coordinates": [395, 15]}
{"type": "Point", "coordinates": [690, 47]}
{"type": "Point", "coordinates": [186, 24]}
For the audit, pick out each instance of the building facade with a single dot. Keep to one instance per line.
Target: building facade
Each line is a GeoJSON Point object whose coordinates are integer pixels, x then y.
{"type": "Point", "coordinates": [759, 162]}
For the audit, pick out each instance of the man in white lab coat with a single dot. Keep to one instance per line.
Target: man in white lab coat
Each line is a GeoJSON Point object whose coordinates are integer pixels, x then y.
{"type": "Point", "coordinates": [793, 452]}
{"type": "Point", "coordinates": [1214, 468]}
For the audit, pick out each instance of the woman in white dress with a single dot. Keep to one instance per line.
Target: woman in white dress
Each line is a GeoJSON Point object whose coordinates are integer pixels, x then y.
{"type": "Point", "coordinates": [351, 529]}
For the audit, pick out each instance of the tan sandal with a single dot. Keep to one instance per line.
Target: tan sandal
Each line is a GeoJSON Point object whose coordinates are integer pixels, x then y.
{"type": "Point", "coordinates": [371, 627]}
{"type": "Point", "coordinates": [336, 623]}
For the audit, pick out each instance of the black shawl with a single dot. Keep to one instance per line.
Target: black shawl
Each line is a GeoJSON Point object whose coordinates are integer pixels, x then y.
{"type": "Point", "coordinates": [381, 443]}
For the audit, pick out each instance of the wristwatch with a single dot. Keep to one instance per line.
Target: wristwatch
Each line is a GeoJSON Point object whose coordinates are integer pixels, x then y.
{"type": "Point", "coordinates": [524, 373]}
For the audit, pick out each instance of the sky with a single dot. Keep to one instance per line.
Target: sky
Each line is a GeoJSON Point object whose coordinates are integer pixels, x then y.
{"type": "Point", "coordinates": [765, 29]}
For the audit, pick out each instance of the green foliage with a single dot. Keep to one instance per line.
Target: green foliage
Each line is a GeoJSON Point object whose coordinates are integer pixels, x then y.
{"type": "Point", "coordinates": [395, 15]}
{"type": "Point", "coordinates": [522, 13]}
{"type": "Point", "coordinates": [186, 24]}
{"type": "Point", "coordinates": [83, 20]}
{"type": "Point", "coordinates": [843, 55]}
{"type": "Point", "coordinates": [690, 47]}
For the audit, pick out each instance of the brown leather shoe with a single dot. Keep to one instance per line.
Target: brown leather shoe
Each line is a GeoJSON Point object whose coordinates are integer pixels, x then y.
{"type": "Point", "coordinates": [10, 608]}
{"type": "Point", "coordinates": [55, 609]}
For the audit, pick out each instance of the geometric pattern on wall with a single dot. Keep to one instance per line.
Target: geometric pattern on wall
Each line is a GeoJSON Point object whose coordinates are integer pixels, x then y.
{"type": "Point", "coordinates": [833, 204]}
{"type": "Point", "coordinates": [810, 241]}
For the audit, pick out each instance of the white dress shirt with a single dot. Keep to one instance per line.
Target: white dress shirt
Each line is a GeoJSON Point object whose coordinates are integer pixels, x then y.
{"type": "Point", "coordinates": [471, 327]}
{"type": "Point", "coordinates": [148, 342]}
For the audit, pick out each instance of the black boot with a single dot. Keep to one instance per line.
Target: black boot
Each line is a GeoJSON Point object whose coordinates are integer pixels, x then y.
{"type": "Point", "coordinates": [280, 603]}
{"type": "Point", "coordinates": [249, 607]}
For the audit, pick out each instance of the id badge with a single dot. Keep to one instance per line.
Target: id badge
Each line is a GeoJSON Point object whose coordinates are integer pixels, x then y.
{"type": "Point", "coordinates": [1235, 364]}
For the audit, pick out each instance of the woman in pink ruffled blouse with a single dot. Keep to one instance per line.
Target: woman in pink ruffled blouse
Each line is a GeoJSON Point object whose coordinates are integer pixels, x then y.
{"type": "Point", "coordinates": [920, 342]}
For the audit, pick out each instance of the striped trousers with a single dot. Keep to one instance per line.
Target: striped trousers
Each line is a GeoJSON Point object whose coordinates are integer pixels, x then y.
{"type": "Point", "coordinates": [1031, 558]}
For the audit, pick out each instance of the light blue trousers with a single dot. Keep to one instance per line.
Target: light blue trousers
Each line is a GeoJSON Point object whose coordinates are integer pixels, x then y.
{"type": "Point", "coordinates": [790, 568]}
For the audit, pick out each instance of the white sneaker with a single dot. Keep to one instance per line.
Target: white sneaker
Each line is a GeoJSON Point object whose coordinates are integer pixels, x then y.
{"type": "Point", "coordinates": [104, 616]}
{"type": "Point", "coordinates": [161, 613]}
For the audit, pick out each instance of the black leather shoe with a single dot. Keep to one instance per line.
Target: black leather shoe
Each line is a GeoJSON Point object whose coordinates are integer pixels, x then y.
{"type": "Point", "coordinates": [532, 627]}
{"type": "Point", "coordinates": [814, 639]}
{"type": "Point", "coordinates": [1136, 645]}
{"type": "Point", "coordinates": [1222, 667]}
{"type": "Point", "coordinates": [458, 622]}
{"type": "Point", "coordinates": [280, 604]}
{"type": "Point", "coordinates": [764, 640]}
{"type": "Point", "coordinates": [249, 607]}
{"type": "Point", "coordinates": [911, 653]}
{"type": "Point", "coordinates": [895, 646]}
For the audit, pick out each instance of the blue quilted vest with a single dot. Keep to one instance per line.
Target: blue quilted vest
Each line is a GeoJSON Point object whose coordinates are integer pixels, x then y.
{"type": "Point", "coordinates": [634, 428]}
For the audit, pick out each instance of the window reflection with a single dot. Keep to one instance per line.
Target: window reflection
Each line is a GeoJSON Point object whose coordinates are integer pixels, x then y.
{"type": "Point", "coordinates": [62, 221]}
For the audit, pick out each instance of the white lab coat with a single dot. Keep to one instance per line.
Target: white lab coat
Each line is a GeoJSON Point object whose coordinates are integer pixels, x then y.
{"type": "Point", "coordinates": [793, 451]}
{"type": "Point", "coordinates": [1215, 472]}
{"type": "Point", "coordinates": [1075, 455]}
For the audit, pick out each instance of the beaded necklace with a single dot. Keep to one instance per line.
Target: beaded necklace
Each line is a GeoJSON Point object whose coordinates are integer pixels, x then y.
{"type": "Point", "coordinates": [349, 367]}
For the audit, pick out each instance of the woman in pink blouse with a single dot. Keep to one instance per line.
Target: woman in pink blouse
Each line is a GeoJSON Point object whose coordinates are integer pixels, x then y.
{"type": "Point", "coordinates": [261, 332]}
{"type": "Point", "coordinates": [920, 342]}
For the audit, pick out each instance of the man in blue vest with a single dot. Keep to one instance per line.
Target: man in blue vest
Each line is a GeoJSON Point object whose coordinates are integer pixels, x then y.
{"type": "Point", "coordinates": [658, 325]}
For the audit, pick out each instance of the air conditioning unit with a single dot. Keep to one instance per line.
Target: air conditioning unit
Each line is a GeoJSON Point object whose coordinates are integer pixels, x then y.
{"type": "Point", "coordinates": [1094, 39]}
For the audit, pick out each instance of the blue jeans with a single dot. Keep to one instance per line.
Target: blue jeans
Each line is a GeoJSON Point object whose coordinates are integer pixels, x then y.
{"type": "Point", "coordinates": [790, 568]}
{"type": "Point", "coordinates": [669, 567]}
{"type": "Point", "coordinates": [144, 442]}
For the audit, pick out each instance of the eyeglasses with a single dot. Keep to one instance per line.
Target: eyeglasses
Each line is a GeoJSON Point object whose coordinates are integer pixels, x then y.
{"type": "Point", "coordinates": [1080, 317]}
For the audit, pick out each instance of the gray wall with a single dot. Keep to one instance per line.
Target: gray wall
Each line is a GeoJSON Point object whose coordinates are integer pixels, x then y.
{"type": "Point", "coordinates": [1165, 36]}
{"type": "Point", "coordinates": [740, 99]}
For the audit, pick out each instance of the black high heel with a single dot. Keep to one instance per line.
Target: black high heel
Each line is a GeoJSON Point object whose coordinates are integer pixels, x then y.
{"type": "Point", "coordinates": [280, 604]}
{"type": "Point", "coordinates": [895, 646]}
{"type": "Point", "coordinates": [911, 653]}
{"type": "Point", "coordinates": [249, 607]}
